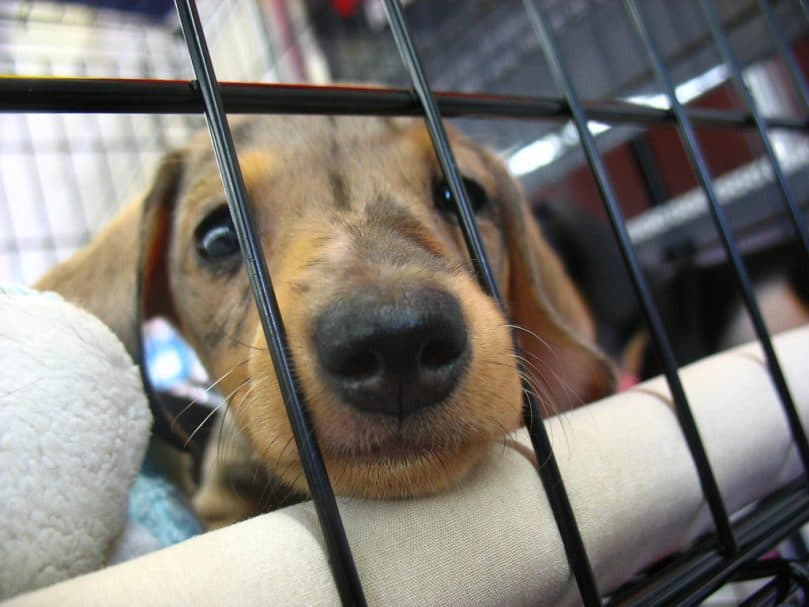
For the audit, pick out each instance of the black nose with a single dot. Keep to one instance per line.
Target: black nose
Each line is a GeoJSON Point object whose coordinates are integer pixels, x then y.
{"type": "Point", "coordinates": [393, 354]}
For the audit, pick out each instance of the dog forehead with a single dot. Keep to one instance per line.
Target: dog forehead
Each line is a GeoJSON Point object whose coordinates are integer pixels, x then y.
{"type": "Point", "coordinates": [342, 148]}
{"type": "Point", "coordinates": [290, 143]}
{"type": "Point", "coordinates": [306, 134]}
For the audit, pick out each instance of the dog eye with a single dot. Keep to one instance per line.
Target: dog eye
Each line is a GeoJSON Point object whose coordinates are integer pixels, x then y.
{"type": "Point", "coordinates": [444, 202]}
{"type": "Point", "coordinates": [215, 235]}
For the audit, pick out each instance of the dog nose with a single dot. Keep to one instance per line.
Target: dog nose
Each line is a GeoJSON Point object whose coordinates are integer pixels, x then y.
{"type": "Point", "coordinates": [393, 355]}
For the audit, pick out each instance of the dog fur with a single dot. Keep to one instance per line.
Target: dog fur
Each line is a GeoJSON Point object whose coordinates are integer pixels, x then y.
{"type": "Point", "coordinates": [343, 205]}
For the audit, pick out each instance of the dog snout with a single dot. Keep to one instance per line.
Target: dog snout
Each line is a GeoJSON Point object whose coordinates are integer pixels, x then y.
{"type": "Point", "coordinates": [393, 355]}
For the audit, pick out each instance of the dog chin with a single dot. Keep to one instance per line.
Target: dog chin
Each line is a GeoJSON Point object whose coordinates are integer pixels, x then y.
{"type": "Point", "coordinates": [396, 470]}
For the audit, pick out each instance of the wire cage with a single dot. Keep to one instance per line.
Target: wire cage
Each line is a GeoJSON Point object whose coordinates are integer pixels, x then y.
{"type": "Point", "coordinates": [688, 119]}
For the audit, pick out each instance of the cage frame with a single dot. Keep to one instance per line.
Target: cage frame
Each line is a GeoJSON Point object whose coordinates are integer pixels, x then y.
{"type": "Point", "coordinates": [686, 580]}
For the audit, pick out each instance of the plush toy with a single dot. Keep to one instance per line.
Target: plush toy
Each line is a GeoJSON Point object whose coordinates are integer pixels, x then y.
{"type": "Point", "coordinates": [74, 429]}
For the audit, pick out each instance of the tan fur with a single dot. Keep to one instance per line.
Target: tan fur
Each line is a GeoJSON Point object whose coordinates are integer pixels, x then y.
{"type": "Point", "coordinates": [99, 263]}
{"type": "Point", "coordinates": [343, 205]}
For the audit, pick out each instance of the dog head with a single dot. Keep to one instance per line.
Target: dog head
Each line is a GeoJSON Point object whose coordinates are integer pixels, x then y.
{"type": "Point", "coordinates": [406, 366]}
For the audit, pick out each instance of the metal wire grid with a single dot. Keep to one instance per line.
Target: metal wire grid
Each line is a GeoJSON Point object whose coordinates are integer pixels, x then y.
{"type": "Point", "coordinates": [66, 40]}
{"type": "Point", "coordinates": [128, 145]}
{"type": "Point", "coordinates": [489, 46]}
{"type": "Point", "coordinates": [49, 40]}
{"type": "Point", "coordinates": [686, 583]}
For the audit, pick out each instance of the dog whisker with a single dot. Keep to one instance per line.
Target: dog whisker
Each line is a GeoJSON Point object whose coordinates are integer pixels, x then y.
{"type": "Point", "coordinates": [201, 424]}
{"type": "Point", "coordinates": [228, 373]}
{"type": "Point", "coordinates": [533, 334]}
{"type": "Point", "coordinates": [214, 410]}
{"type": "Point", "coordinates": [241, 385]}
{"type": "Point", "coordinates": [257, 469]}
{"type": "Point", "coordinates": [268, 446]}
{"type": "Point", "coordinates": [235, 340]}
{"type": "Point", "coordinates": [530, 366]}
{"type": "Point", "coordinates": [530, 390]}
{"type": "Point", "coordinates": [561, 382]}
{"type": "Point", "coordinates": [536, 387]}
{"type": "Point", "coordinates": [291, 487]}
{"type": "Point", "coordinates": [220, 433]}
{"type": "Point", "coordinates": [268, 491]}
{"type": "Point", "coordinates": [544, 382]}
{"type": "Point", "coordinates": [197, 401]}
{"type": "Point", "coordinates": [272, 479]}
{"type": "Point", "coordinates": [549, 409]}
{"type": "Point", "coordinates": [250, 389]}
{"type": "Point", "coordinates": [565, 385]}
{"type": "Point", "coordinates": [263, 455]}
{"type": "Point", "coordinates": [536, 382]}
{"type": "Point", "coordinates": [226, 403]}
{"type": "Point", "coordinates": [280, 456]}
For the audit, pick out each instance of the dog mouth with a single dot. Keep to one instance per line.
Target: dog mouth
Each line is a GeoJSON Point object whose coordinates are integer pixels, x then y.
{"type": "Point", "coordinates": [394, 449]}
{"type": "Point", "coordinates": [374, 455]}
{"type": "Point", "coordinates": [396, 466]}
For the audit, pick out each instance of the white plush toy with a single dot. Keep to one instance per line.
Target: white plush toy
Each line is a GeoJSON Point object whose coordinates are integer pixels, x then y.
{"type": "Point", "coordinates": [74, 426]}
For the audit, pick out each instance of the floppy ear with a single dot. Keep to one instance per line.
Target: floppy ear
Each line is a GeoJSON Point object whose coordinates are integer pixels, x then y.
{"type": "Point", "coordinates": [104, 277]}
{"type": "Point", "coordinates": [122, 278]}
{"type": "Point", "coordinates": [153, 293]}
{"type": "Point", "coordinates": [558, 340]}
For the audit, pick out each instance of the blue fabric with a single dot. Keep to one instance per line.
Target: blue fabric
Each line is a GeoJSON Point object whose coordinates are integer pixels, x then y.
{"type": "Point", "coordinates": [156, 505]}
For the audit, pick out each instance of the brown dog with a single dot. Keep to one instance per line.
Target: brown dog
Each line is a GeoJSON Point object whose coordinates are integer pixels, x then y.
{"type": "Point", "coordinates": [406, 366]}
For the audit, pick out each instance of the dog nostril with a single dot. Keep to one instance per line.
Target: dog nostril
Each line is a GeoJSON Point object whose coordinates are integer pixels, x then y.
{"type": "Point", "coordinates": [440, 352]}
{"type": "Point", "coordinates": [393, 356]}
{"type": "Point", "coordinates": [358, 366]}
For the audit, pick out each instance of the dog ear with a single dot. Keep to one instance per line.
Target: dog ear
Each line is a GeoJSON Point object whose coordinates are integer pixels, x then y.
{"type": "Point", "coordinates": [556, 331]}
{"type": "Point", "coordinates": [126, 257]}
{"type": "Point", "coordinates": [153, 293]}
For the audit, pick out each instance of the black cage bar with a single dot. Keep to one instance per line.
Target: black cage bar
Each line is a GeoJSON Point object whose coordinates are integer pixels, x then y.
{"type": "Point", "coordinates": [128, 96]}
{"type": "Point", "coordinates": [654, 323]}
{"type": "Point", "coordinates": [549, 471]}
{"type": "Point", "coordinates": [722, 226]}
{"type": "Point", "coordinates": [340, 559]}
{"type": "Point", "coordinates": [729, 57]}
{"type": "Point", "coordinates": [686, 580]}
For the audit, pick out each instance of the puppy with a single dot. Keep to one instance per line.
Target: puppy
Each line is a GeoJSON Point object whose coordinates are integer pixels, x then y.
{"type": "Point", "coordinates": [406, 366]}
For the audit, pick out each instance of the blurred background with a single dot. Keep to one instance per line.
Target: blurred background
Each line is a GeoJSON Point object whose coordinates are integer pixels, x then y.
{"type": "Point", "coordinates": [63, 175]}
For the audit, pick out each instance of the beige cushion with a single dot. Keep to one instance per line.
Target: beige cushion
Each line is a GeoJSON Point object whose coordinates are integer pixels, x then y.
{"type": "Point", "coordinates": [493, 541]}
